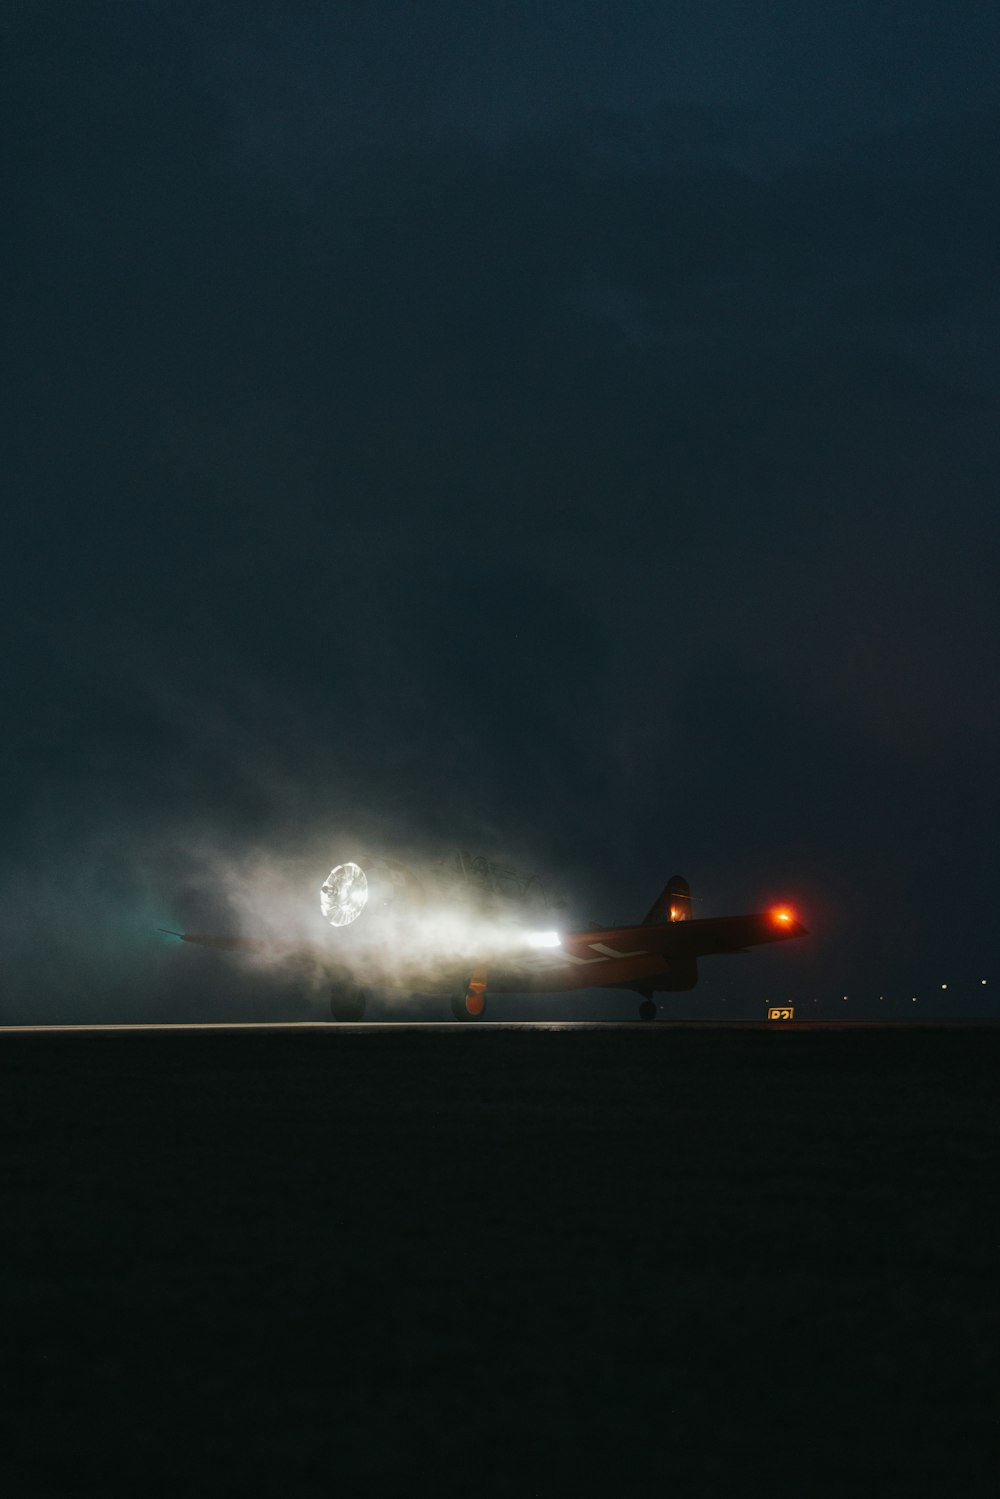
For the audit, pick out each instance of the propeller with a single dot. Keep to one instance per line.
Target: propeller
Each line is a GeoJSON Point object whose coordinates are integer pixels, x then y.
{"type": "Point", "coordinates": [344, 894]}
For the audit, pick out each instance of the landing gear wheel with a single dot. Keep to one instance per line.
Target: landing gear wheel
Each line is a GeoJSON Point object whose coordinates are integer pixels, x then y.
{"type": "Point", "coordinates": [348, 1004]}
{"type": "Point", "coordinates": [460, 1007]}
{"type": "Point", "coordinates": [647, 1010]}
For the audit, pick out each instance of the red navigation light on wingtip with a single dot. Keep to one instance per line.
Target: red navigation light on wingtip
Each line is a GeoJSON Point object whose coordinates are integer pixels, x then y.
{"type": "Point", "coordinates": [782, 915]}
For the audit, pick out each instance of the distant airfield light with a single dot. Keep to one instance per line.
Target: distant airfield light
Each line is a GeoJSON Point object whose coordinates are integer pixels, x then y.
{"type": "Point", "coordinates": [543, 939]}
{"type": "Point", "coordinates": [982, 981]}
{"type": "Point", "coordinates": [944, 986]}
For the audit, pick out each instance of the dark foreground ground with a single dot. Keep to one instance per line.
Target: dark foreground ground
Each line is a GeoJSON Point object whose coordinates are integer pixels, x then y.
{"type": "Point", "coordinates": [699, 1261]}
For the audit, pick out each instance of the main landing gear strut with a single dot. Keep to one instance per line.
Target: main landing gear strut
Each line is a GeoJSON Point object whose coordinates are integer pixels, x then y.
{"type": "Point", "coordinates": [348, 1002]}
{"type": "Point", "coordinates": [471, 1005]}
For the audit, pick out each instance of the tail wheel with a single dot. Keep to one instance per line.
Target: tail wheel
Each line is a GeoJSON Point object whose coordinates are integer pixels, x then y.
{"type": "Point", "coordinates": [348, 1004]}
{"type": "Point", "coordinates": [647, 1010]}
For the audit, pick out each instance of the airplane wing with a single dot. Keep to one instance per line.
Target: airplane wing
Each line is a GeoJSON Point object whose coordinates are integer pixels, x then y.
{"type": "Point", "coordinates": [676, 939]}
{"type": "Point", "coordinates": [610, 956]}
{"type": "Point", "coordinates": [682, 939]}
{"type": "Point", "coordinates": [629, 954]}
{"type": "Point", "coordinates": [722, 934]}
{"type": "Point", "coordinates": [209, 939]}
{"type": "Point", "coordinates": [275, 948]}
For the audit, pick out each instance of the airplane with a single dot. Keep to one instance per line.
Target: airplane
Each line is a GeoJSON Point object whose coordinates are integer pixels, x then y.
{"type": "Point", "coordinates": [658, 955]}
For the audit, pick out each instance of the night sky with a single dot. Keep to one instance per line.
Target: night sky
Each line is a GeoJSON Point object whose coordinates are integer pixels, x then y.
{"type": "Point", "coordinates": [566, 431]}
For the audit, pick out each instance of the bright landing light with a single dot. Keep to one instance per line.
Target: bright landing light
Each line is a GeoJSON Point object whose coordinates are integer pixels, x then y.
{"type": "Point", "coordinates": [543, 939]}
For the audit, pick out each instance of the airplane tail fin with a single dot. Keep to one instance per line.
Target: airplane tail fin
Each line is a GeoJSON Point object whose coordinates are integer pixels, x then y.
{"type": "Point", "coordinates": [673, 903]}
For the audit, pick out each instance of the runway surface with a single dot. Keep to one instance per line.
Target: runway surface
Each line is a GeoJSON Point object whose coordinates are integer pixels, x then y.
{"type": "Point", "coordinates": [430, 1027]}
{"type": "Point", "coordinates": [553, 1260]}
